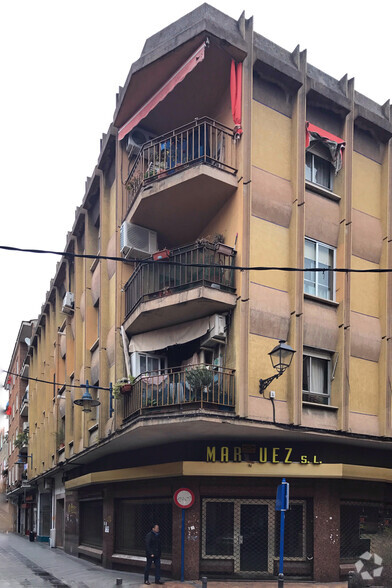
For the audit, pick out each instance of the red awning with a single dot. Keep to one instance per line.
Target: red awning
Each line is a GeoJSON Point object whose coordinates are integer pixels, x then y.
{"type": "Point", "coordinates": [236, 96]}
{"type": "Point", "coordinates": [161, 94]}
{"type": "Point", "coordinates": [325, 134]}
{"type": "Point", "coordinates": [335, 144]}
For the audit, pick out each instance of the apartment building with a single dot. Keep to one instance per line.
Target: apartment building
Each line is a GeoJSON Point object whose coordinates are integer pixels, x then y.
{"type": "Point", "coordinates": [17, 383]}
{"type": "Point", "coordinates": [151, 355]}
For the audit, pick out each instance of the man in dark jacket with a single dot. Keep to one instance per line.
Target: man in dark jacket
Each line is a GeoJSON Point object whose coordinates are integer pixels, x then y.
{"type": "Point", "coordinates": [153, 554]}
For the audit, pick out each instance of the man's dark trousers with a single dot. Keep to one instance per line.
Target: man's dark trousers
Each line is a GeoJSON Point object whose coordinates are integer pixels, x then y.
{"type": "Point", "coordinates": [157, 563]}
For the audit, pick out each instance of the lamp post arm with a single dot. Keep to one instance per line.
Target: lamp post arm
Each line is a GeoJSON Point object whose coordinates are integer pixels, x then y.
{"type": "Point", "coordinates": [263, 384]}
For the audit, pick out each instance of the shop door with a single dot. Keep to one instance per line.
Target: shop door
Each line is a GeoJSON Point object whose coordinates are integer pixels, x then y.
{"type": "Point", "coordinates": [253, 537]}
{"type": "Point", "coordinates": [60, 522]}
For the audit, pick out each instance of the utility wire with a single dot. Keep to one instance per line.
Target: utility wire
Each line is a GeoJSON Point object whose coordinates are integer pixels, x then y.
{"type": "Point", "coordinates": [56, 383]}
{"type": "Point", "coordinates": [201, 265]}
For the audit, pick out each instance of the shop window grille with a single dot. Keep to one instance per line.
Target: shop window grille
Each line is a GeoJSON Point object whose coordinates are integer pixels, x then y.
{"type": "Point", "coordinates": [134, 519]}
{"type": "Point", "coordinates": [367, 527]}
{"type": "Point", "coordinates": [91, 523]}
{"type": "Point", "coordinates": [240, 537]}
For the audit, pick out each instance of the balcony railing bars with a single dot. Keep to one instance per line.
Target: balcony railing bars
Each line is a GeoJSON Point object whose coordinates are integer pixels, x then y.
{"type": "Point", "coordinates": [155, 280]}
{"type": "Point", "coordinates": [198, 385]}
{"type": "Point", "coordinates": [202, 141]}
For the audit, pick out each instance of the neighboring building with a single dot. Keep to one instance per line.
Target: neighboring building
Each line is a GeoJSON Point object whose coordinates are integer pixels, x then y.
{"type": "Point", "coordinates": [19, 492]}
{"type": "Point", "coordinates": [6, 511]}
{"type": "Point", "coordinates": [197, 339]}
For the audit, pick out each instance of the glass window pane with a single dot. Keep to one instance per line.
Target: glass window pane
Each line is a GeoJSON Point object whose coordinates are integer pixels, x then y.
{"type": "Point", "coordinates": [310, 250]}
{"type": "Point", "coordinates": [293, 533]}
{"type": "Point", "coordinates": [134, 520]}
{"type": "Point", "coordinates": [322, 172]}
{"type": "Point", "coordinates": [308, 167]}
{"type": "Point", "coordinates": [219, 528]}
{"type": "Point", "coordinates": [143, 367]}
{"type": "Point", "coordinates": [318, 376]}
{"type": "Point", "coordinates": [91, 523]}
{"type": "Point", "coordinates": [306, 374]}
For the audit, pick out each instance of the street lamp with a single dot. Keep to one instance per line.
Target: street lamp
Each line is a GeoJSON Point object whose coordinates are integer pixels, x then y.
{"type": "Point", "coordinates": [21, 461]}
{"type": "Point", "coordinates": [281, 358]}
{"type": "Point", "coordinates": [87, 401]}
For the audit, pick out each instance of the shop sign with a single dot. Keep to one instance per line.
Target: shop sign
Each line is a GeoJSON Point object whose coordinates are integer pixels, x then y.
{"type": "Point", "coordinates": [259, 454]}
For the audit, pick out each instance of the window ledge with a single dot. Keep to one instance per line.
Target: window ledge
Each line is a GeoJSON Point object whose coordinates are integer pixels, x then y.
{"type": "Point", "coordinates": [322, 191]}
{"type": "Point", "coordinates": [93, 428]}
{"type": "Point", "coordinates": [321, 300]}
{"type": "Point", "coordinates": [318, 406]}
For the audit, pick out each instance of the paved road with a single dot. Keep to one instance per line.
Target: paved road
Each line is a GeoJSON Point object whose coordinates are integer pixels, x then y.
{"type": "Point", "coordinates": [23, 563]}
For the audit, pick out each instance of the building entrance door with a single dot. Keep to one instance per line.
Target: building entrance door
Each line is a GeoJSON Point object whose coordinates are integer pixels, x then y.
{"type": "Point", "coordinates": [60, 522]}
{"type": "Point", "coordinates": [253, 538]}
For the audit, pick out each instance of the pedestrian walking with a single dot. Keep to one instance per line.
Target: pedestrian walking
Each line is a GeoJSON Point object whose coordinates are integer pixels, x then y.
{"type": "Point", "coordinates": [153, 554]}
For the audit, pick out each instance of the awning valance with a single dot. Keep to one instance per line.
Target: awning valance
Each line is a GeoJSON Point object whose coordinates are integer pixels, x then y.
{"type": "Point", "coordinates": [335, 144]}
{"type": "Point", "coordinates": [176, 335]}
{"type": "Point", "coordinates": [161, 94]}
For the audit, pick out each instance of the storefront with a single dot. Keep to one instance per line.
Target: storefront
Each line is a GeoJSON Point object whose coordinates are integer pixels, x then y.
{"type": "Point", "coordinates": [232, 529]}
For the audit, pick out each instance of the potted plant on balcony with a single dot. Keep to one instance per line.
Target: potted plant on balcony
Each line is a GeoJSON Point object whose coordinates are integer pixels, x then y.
{"type": "Point", "coordinates": [200, 380]}
{"type": "Point", "coordinates": [22, 440]}
{"type": "Point", "coordinates": [122, 386]}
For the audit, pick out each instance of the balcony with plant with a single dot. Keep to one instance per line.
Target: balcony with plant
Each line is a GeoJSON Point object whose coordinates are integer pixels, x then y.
{"type": "Point", "coordinates": [199, 386]}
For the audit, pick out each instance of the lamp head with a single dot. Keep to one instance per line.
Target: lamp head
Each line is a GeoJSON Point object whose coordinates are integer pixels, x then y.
{"type": "Point", "coordinates": [281, 357]}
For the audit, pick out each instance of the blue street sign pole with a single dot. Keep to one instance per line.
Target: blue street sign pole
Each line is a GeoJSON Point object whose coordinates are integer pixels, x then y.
{"type": "Point", "coordinates": [282, 504]}
{"type": "Point", "coordinates": [182, 544]}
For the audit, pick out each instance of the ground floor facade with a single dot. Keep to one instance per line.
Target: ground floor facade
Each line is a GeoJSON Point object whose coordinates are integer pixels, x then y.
{"type": "Point", "coordinates": [232, 529]}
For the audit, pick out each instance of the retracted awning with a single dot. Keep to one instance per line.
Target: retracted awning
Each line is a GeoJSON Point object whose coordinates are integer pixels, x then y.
{"type": "Point", "coordinates": [335, 144]}
{"type": "Point", "coordinates": [176, 335]}
{"type": "Point", "coordinates": [161, 94]}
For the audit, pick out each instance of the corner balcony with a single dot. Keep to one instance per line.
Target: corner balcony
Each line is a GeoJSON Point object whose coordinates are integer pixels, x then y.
{"type": "Point", "coordinates": [182, 178]}
{"type": "Point", "coordinates": [166, 293]}
{"type": "Point", "coordinates": [181, 388]}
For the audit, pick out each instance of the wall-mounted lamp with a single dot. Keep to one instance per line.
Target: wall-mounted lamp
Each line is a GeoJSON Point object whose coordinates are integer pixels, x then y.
{"type": "Point", "coordinates": [87, 401]}
{"type": "Point", "coordinates": [21, 458]}
{"type": "Point", "coordinates": [281, 358]}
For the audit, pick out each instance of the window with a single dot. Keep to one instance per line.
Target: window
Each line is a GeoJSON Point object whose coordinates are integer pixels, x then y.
{"type": "Point", "coordinates": [147, 362]}
{"type": "Point", "coordinates": [319, 255]}
{"type": "Point", "coordinates": [316, 377]}
{"type": "Point", "coordinates": [318, 170]}
{"type": "Point", "coordinates": [134, 520]}
{"type": "Point", "coordinates": [91, 519]}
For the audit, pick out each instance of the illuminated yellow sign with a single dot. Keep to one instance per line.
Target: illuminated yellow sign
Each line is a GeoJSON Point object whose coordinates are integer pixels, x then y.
{"type": "Point", "coordinates": [262, 455]}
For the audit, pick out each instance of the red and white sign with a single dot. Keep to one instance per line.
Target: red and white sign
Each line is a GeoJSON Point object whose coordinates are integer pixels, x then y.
{"type": "Point", "coordinates": [184, 498]}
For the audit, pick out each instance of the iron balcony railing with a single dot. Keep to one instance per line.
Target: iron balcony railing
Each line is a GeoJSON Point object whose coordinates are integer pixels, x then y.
{"type": "Point", "coordinates": [201, 385]}
{"type": "Point", "coordinates": [202, 141]}
{"type": "Point", "coordinates": [155, 280]}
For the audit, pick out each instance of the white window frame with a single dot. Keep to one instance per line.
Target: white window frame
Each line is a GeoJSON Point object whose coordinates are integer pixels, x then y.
{"type": "Point", "coordinates": [333, 287]}
{"type": "Point", "coordinates": [313, 180]}
{"type": "Point", "coordinates": [135, 361]}
{"type": "Point", "coordinates": [318, 354]}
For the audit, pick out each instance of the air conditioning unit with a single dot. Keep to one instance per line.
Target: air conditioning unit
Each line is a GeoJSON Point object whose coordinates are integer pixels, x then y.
{"type": "Point", "coordinates": [136, 241]}
{"type": "Point", "coordinates": [68, 303]}
{"type": "Point", "coordinates": [136, 139]}
{"type": "Point", "coordinates": [217, 332]}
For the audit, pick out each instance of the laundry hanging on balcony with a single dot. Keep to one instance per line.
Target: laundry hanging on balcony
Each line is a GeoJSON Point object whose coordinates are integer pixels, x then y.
{"type": "Point", "coordinates": [176, 335]}
{"type": "Point", "coordinates": [236, 97]}
{"type": "Point", "coordinates": [334, 144]}
{"type": "Point", "coordinates": [167, 87]}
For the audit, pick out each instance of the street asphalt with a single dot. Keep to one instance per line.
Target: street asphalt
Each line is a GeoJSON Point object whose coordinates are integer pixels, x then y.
{"type": "Point", "coordinates": [25, 563]}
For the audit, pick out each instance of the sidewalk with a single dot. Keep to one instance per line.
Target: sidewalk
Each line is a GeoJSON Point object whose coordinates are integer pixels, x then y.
{"type": "Point", "coordinates": [26, 563]}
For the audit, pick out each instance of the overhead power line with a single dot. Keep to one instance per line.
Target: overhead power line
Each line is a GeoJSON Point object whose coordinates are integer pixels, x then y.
{"type": "Point", "coordinates": [52, 383]}
{"type": "Point", "coordinates": [70, 255]}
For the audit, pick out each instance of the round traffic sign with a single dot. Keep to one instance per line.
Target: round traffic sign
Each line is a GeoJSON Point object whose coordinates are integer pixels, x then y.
{"type": "Point", "coordinates": [184, 498]}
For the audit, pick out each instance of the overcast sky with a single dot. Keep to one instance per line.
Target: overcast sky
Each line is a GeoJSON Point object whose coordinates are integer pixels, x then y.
{"type": "Point", "coordinates": [61, 66]}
